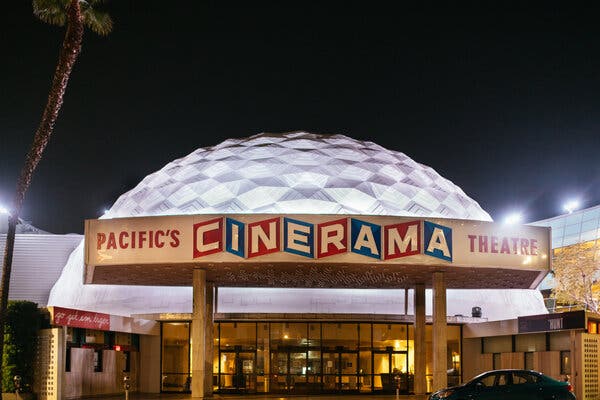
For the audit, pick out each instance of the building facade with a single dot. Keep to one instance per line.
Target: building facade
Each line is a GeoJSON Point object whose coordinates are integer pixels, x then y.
{"type": "Point", "coordinates": [303, 264]}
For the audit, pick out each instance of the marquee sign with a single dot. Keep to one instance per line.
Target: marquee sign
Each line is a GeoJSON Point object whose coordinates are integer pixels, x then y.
{"type": "Point", "coordinates": [552, 322]}
{"type": "Point", "coordinates": [267, 238]}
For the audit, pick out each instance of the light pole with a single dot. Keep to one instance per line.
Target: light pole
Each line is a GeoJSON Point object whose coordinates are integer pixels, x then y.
{"type": "Point", "coordinates": [126, 386]}
{"type": "Point", "coordinates": [17, 382]}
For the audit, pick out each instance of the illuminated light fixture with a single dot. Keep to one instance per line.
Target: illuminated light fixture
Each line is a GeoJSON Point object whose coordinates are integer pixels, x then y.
{"type": "Point", "coordinates": [286, 336]}
{"type": "Point", "coordinates": [3, 210]}
{"type": "Point", "coordinates": [571, 206]}
{"type": "Point", "coordinates": [117, 348]}
{"type": "Point", "coordinates": [513, 218]}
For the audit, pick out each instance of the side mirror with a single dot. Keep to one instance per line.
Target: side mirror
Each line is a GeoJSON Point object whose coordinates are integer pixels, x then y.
{"type": "Point", "coordinates": [478, 385]}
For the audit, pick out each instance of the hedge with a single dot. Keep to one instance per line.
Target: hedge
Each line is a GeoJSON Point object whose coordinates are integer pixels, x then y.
{"type": "Point", "coordinates": [23, 322]}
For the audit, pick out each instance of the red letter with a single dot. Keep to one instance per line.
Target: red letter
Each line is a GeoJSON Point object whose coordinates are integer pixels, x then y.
{"type": "Point", "coordinates": [524, 247]}
{"type": "Point", "coordinates": [472, 240]}
{"type": "Point", "coordinates": [534, 247]}
{"type": "Point", "coordinates": [494, 244]}
{"type": "Point", "coordinates": [505, 247]}
{"type": "Point", "coordinates": [112, 242]}
{"type": "Point", "coordinates": [483, 244]}
{"type": "Point", "coordinates": [208, 237]}
{"type": "Point", "coordinates": [332, 238]}
{"type": "Point", "coordinates": [122, 236]}
{"type": "Point", "coordinates": [142, 239]}
{"type": "Point", "coordinates": [175, 238]}
{"type": "Point", "coordinates": [158, 241]}
{"type": "Point", "coordinates": [398, 237]}
{"type": "Point", "coordinates": [100, 239]}
{"type": "Point", "coordinates": [515, 242]}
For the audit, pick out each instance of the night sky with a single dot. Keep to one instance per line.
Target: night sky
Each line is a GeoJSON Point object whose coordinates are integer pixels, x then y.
{"type": "Point", "coordinates": [502, 98]}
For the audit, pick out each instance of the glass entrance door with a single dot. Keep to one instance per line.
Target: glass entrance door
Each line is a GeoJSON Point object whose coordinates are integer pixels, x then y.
{"type": "Point", "coordinates": [340, 371]}
{"type": "Point", "coordinates": [238, 374]}
{"type": "Point", "coordinates": [390, 371]}
{"type": "Point", "coordinates": [289, 371]}
{"type": "Point", "coordinates": [175, 369]}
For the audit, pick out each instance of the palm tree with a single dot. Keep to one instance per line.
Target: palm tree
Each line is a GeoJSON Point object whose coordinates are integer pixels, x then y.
{"type": "Point", "coordinates": [76, 15]}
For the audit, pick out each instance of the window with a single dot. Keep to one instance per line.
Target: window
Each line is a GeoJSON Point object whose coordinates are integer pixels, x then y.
{"type": "Point", "coordinates": [488, 380]}
{"type": "Point", "coordinates": [68, 359]}
{"type": "Point", "coordinates": [502, 380]}
{"type": "Point", "coordinates": [530, 342]}
{"type": "Point", "coordinates": [98, 360]}
{"type": "Point", "coordinates": [592, 327]}
{"type": "Point", "coordinates": [565, 362]}
{"type": "Point", "coordinates": [520, 378]}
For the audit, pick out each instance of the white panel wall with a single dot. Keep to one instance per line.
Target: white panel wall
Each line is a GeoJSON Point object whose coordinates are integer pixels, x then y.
{"type": "Point", "coordinates": [37, 263]}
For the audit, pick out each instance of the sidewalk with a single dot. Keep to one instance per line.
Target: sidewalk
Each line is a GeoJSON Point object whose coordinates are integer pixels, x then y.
{"type": "Point", "coordinates": [174, 396]}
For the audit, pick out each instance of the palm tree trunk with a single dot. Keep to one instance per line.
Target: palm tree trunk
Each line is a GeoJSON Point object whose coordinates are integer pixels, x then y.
{"type": "Point", "coordinates": [68, 55]}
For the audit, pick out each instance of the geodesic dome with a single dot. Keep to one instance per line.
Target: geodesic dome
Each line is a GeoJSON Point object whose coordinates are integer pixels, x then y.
{"type": "Point", "coordinates": [298, 172]}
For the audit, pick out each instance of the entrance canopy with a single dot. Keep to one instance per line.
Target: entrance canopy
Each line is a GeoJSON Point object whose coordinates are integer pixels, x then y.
{"type": "Point", "coordinates": [321, 251]}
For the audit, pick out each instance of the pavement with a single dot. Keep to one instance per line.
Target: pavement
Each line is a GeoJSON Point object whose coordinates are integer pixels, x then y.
{"type": "Point", "coordinates": [171, 396]}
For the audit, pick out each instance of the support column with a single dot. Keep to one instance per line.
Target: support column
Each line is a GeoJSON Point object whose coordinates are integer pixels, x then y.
{"type": "Point", "coordinates": [198, 333]}
{"type": "Point", "coordinates": [420, 387]}
{"type": "Point", "coordinates": [209, 341]}
{"type": "Point", "coordinates": [440, 363]}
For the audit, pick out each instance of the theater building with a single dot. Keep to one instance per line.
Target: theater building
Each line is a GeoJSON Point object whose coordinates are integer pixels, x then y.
{"type": "Point", "coordinates": [291, 263]}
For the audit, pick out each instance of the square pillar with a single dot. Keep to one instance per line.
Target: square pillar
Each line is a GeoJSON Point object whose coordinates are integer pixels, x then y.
{"type": "Point", "coordinates": [198, 333]}
{"type": "Point", "coordinates": [420, 385]}
{"type": "Point", "coordinates": [440, 342]}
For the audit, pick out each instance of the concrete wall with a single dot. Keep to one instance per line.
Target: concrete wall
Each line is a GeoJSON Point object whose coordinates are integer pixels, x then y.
{"type": "Point", "coordinates": [149, 377]}
{"type": "Point", "coordinates": [83, 381]}
{"type": "Point", "coordinates": [473, 361]}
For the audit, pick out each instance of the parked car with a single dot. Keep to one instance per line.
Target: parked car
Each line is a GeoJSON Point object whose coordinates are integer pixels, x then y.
{"type": "Point", "coordinates": [508, 384]}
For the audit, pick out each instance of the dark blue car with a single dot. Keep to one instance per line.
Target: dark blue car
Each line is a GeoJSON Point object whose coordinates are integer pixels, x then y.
{"type": "Point", "coordinates": [508, 384]}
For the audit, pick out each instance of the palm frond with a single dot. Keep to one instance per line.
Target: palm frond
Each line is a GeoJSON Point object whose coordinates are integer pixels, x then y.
{"type": "Point", "coordinates": [51, 11]}
{"type": "Point", "coordinates": [98, 21]}
{"type": "Point", "coordinates": [55, 12]}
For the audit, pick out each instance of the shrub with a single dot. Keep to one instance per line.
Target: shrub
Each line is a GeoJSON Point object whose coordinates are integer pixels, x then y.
{"type": "Point", "coordinates": [20, 339]}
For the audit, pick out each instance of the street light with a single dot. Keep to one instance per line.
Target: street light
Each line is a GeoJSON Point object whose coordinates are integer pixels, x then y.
{"type": "Point", "coordinates": [571, 206]}
{"type": "Point", "coordinates": [513, 218]}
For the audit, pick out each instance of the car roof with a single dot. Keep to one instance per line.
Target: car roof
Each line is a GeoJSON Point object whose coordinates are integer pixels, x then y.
{"type": "Point", "coordinates": [509, 370]}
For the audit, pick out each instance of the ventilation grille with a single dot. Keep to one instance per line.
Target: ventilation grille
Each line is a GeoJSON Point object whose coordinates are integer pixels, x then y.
{"type": "Point", "coordinates": [591, 347]}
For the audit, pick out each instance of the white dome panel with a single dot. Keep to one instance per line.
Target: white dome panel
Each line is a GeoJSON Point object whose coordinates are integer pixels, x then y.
{"type": "Point", "coordinates": [266, 159]}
